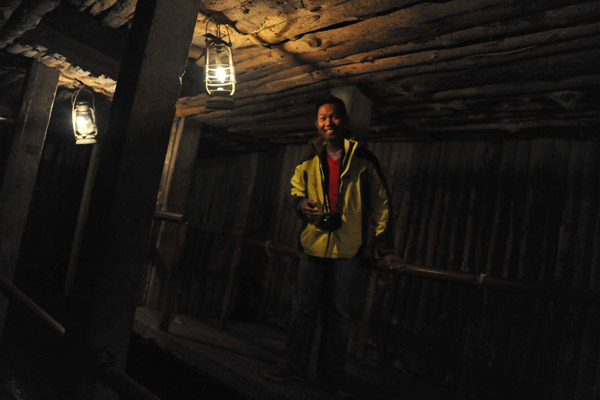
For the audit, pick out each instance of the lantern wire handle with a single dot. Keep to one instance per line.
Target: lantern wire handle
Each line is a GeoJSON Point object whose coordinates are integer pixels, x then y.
{"type": "Point", "coordinates": [217, 36]}
{"type": "Point", "coordinates": [76, 94]}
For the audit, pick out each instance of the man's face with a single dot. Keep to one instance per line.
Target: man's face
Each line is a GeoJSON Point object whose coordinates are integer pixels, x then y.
{"type": "Point", "coordinates": [331, 123]}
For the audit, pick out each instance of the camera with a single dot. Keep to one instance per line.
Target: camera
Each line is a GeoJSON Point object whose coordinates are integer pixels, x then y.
{"type": "Point", "coordinates": [330, 221]}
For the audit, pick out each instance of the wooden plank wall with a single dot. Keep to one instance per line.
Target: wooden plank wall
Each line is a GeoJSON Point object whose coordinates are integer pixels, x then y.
{"type": "Point", "coordinates": [524, 210]}
{"type": "Point", "coordinates": [48, 236]}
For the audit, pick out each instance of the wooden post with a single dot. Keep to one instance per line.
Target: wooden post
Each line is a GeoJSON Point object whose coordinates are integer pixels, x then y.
{"type": "Point", "coordinates": [174, 275]}
{"type": "Point", "coordinates": [230, 289]}
{"type": "Point", "coordinates": [358, 107]}
{"type": "Point", "coordinates": [176, 182]}
{"type": "Point", "coordinates": [22, 165]}
{"type": "Point", "coordinates": [260, 312]}
{"type": "Point", "coordinates": [123, 200]}
{"type": "Point", "coordinates": [81, 218]}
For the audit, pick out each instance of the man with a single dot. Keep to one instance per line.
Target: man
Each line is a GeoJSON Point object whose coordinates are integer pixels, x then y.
{"type": "Point", "coordinates": [335, 190]}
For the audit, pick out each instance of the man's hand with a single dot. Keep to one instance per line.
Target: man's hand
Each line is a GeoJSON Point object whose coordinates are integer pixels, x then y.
{"type": "Point", "coordinates": [391, 260]}
{"type": "Point", "coordinates": [310, 210]}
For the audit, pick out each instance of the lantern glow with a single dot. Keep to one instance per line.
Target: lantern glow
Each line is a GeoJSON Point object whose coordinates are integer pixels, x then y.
{"type": "Point", "coordinates": [84, 119]}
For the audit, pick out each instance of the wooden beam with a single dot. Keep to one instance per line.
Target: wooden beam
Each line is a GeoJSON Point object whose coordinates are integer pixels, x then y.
{"type": "Point", "coordinates": [120, 14]}
{"type": "Point", "coordinates": [24, 18]}
{"type": "Point", "coordinates": [124, 196]}
{"type": "Point", "coordinates": [22, 165]}
{"type": "Point", "coordinates": [358, 107]}
{"type": "Point", "coordinates": [493, 34]}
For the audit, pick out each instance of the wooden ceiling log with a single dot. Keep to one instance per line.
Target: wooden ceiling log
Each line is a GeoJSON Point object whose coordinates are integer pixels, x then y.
{"type": "Point", "coordinates": [288, 106]}
{"type": "Point", "coordinates": [120, 14]}
{"type": "Point", "coordinates": [275, 126]}
{"type": "Point", "coordinates": [415, 23]}
{"type": "Point", "coordinates": [415, 13]}
{"type": "Point", "coordinates": [101, 5]}
{"type": "Point", "coordinates": [74, 51]}
{"type": "Point", "coordinates": [487, 116]}
{"type": "Point", "coordinates": [274, 26]}
{"type": "Point", "coordinates": [196, 108]}
{"type": "Point", "coordinates": [190, 106]}
{"type": "Point", "coordinates": [78, 45]}
{"type": "Point", "coordinates": [302, 113]}
{"type": "Point", "coordinates": [476, 50]}
{"type": "Point", "coordinates": [26, 17]}
{"type": "Point", "coordinates": [77, 3]}
{"type": "Point", "coordinates": [250, 57]}
{"type": "Point", "coordinates": [234, 122]}
{"type": "Point", "coordinates": [571, 16]}
{"type": "Point", "coordinates": [6, 9]}
{"type": "Point", "coordinates": [452, 72]}
{"type": "Point", "coordinates": [373, 42]}
{"type": "Point", "coordinates": [275, 75]}
{"type": "Point", "coordinates": [492, 104]}
{"type": "Point", "coordinates": [451, 118]}
{"type": "Point", "coordinates": [508, 126]}
{"type": "Point", "coordinates": [69, 73]}
{"type": "Point", "coordinates": [249, 76]}
{"type": "Point", "coordinates": [250, 17]}
{"type": "Point", "coordinates": [509, 49]}
{"type": "Point", "coordinates": [518, 87]}
{"type": "Point", "coordinates": [83, 28]}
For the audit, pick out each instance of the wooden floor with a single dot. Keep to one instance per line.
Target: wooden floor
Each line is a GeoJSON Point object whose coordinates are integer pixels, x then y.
{"type": "Point", "coordinates": [239, 356]}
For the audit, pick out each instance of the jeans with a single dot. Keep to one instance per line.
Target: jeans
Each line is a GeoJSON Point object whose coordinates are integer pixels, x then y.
{"type": "Point", "coordinates": [326, 285]}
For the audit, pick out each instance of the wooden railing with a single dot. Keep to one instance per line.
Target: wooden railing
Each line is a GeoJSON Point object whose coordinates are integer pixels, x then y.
{"type": "Point", "coordinates": [121, 383]}
{"type": "Point", "coordinates": [482, 281]}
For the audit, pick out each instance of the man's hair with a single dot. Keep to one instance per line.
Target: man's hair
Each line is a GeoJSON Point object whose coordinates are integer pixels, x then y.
{"type": "Point", "coordinates": [332, 100]}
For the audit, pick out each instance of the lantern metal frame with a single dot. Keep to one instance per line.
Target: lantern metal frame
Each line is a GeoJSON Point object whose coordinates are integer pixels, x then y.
{"type": "Point", "coordinates": [219, 73]}
{"type": "Point", "coordinates": [83, 106]}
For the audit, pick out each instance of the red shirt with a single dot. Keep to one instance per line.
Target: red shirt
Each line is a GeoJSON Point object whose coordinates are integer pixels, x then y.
{"type": "Point", "coordinates": [334, 181]}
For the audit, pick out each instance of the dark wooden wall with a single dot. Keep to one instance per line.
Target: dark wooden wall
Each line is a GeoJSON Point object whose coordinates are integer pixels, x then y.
{"type": "Point", "coordinates": [524, 210]}
{"type": "Point", "coordinates": [48, 236]}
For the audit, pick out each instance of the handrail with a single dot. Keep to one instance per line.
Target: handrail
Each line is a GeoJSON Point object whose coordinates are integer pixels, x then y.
{"type": "Point", "coordinates": [117, 380]}
{"type": "Point", "coordinates": [480, 280]}
{"type": "Point", "coordinates": [273, 246]}
{"type": "Point", "coordinates": [169, 216]}
{"type": "Point", "coordinates": [486, 281]}
{"type": "Point", "coordinates": [13, 293]}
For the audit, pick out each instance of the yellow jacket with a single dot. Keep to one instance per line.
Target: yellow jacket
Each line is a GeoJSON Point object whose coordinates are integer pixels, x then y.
{"type": "Point", "coordinates": [363, 193]}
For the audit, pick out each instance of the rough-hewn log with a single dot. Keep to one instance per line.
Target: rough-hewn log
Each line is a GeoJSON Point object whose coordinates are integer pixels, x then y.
{"type": "Point", "coordinates": [544, 63]}
{"type": "Point", "coordinates": [75, 52]}
{"type": "Point", "coordinates": [412, 23]}
{"type": "Point", "coordinates": [502, 94]}
{"type": "Point", "coordinates": [124, 196]}
{"type": "Point", "coordinates": [22, 165]}
{"type": "Point", "coordinates": [406, 17]}
{"type": "Point", "coordinates": [518, 88]}
{"type": "Point", "coordinates": [346, 52]}
{"type": "Point", "coordinates": [101, 5]}
{"type": "Point", "coordinates": [6, 10]}
{"type": "Point", "coordinates": [504, 50]}
{"type": "Point", "coordinates": [121, 13]}
{"type": "Point", "coordinates": [24, 18]}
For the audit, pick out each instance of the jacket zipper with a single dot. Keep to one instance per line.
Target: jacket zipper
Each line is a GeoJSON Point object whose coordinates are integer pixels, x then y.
{"type": "Point", "coordinates": [325, 197]}
{"type": "Point", "coordinates": [347, 154]}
